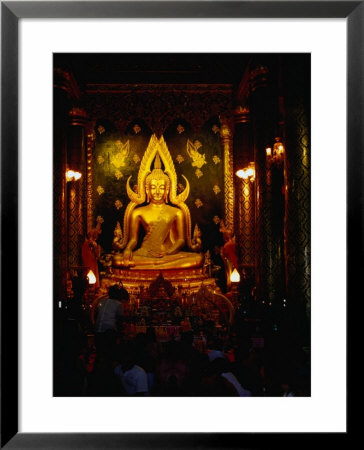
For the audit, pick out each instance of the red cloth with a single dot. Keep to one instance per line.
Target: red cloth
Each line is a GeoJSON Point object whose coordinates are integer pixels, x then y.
{"type": "Point", "coordinates": [229, 251]}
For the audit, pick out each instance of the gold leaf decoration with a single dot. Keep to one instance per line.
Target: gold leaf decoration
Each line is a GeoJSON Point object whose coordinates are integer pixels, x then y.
{"type": "Point", "coordinates": [179, 159]}
{"type": "Point", "coordinates": [118, 160]}
{"type": "Point", "coordinates": [136, 158]}
{"type": "Point", "coordinates": [118, 174]}
{"type": "Point", "coordinates": [216, 189]}
{"type": "Point", "coordinates": [216, 159]}
{"type": "Point", "coordinates": [198, 159]}
{"type": "Point", "coordinates": [118, 204]}
{"type": "Point", "coordinates": [100, 190]}
{"type": "Point", "coordinates": [198, 203]}
{"type": "Point", "coordinates": [216, 220]}
{"type": "Point", "coordinates": [198, 173]}
{"type": "Point", "coordinates": [100, 159]}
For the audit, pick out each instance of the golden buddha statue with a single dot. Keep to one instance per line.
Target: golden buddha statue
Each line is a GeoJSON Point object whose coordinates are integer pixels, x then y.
{"type": "Point", "coordinates": [165, 218]}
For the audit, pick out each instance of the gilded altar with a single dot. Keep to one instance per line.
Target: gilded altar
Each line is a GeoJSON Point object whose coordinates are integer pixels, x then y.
{"type": "Point", "coordinates": [157, 230]}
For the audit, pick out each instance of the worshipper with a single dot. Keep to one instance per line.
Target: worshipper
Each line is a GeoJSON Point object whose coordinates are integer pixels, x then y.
{"type": "Point", "coordinates": [131, 376]}
{"type": "Point", "coordinates": [108, 316]}
{"type": "Point", "coordinates": [219, 381]}
{"type": "Point", "coordinates": [109, 310]}
{"type": "Point", "coordinates": [173, 375]}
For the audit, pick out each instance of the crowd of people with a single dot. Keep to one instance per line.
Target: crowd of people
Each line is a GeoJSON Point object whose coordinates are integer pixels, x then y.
{"type": "Point", "coordinates": [108, 362]}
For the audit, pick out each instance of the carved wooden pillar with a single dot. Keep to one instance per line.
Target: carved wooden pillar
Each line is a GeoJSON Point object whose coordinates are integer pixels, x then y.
{"type": "Point", "coordinates": [76, 161]}
{"type": "Point", "coordinates": [244, 190]}
{"type": "Point", "coordinates": [269, 254]}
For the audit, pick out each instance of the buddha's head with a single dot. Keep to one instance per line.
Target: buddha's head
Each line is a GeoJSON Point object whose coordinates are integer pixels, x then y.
{"type": "Point", "coordinates": [157, 184]}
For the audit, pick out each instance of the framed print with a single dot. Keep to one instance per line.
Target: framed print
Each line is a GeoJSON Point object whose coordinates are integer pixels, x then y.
{"type": "Point", "coordinates": [192, 141]}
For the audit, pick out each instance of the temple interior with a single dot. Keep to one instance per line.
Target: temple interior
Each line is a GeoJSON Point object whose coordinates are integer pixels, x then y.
{"type": "Point", "coordinates": [181, 224]}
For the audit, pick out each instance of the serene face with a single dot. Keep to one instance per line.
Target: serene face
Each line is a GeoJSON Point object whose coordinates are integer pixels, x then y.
{"type": "Point", "coordinates": [157, 190]}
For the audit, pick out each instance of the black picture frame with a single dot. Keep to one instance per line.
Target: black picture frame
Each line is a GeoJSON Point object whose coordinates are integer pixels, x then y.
{"type": "Point", "coordinates": [11, 12]}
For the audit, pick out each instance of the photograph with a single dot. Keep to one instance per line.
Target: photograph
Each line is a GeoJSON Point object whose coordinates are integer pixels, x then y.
{"type": "Point", "coordinates": [181, 201]}
{"type": "Point", "coordinates": [181, 204]}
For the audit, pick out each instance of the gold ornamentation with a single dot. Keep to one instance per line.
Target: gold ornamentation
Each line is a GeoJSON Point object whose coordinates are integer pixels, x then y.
{"type": "Point", "coordinates": [198, 203]}
{"type": "Point", "coordinates": [241, 114]}
{"type": "Point", "coordinates": [136, 158]}
{"type": "Point", "coordinates": [118, 236]}
{"type": "Point", "coordinates": [198, 159]}
{"type": "Point", "coordinates": [216, 189]}
{"type": "Point", "coordinates": [179, 159]}
{"type": "Point", "coordinates": [89, 186]}
{"type": "Point", "coordinates": [216, 220]}
{"type": "Point", "coordinates": [100, 190]}
{"type": "Point", "coordinates": [118, 160]}
{"type": "Point", "coordinates": [100, 159]}
{"type": "Point", "coordinates": [180, 129]}
{"type": "Point", "coordinates": [118, 174]}
{"type": "Point", "coordinates": [226, 138]}
{"type": "Point", "coordinates": [199, 173]}
{"type": "Point", "coordinates": [216, 159]}
{"type": "Point", "coordinates": [77, 116]}
{"type": "Point", "coordinates": [118, 204]}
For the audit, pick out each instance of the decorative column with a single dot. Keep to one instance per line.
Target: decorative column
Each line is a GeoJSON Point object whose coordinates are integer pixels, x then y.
{"type": "Point", "coordinates": [269, 251]}
{"type": "Point", "coordinates": [89, 198]}
{"type": "Point", "coordinates": [63, 92]}
{"type": "Point", "coordinates": [297, 221]}
{"type": "Point", "coordinates": [226, 139]}
{"type": "Point", "coordinates": [76, 184]}
{"type": "Point", "coordinates": [244, 190]}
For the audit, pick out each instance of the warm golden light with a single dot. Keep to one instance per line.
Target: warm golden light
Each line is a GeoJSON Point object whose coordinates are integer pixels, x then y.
{"type": "Point", "coordinates": [235, 277]}
{"type": "Point", "coordinates": [268, 151]}
{"type": "Point", "coordinates": [69, 175]}
{"type": "Point", "coordinates": [247, 172]}
{"type": "Point", "coordinates": [91, 277]}
{"type": "Point", "coordinates": [73, 175]}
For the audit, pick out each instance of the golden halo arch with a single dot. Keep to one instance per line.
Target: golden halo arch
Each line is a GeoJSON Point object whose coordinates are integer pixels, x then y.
{"type": "Point", "coordinates": [157, 146]}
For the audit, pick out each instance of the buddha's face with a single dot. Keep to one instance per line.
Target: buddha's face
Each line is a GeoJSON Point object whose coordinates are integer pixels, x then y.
{"type": "Point", "coordinates": [157, 190]}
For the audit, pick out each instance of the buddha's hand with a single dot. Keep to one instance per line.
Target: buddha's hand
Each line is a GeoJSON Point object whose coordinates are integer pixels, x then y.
{"type": "Point", "coordinates": [128, 258]}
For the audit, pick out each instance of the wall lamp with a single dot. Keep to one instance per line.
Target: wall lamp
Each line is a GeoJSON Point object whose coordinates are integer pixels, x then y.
{"type": "Point", "coordinates": [277, 154]}
{"type": "Point", "coordinates": [72, 175]}
{"type": "Point", "coordinates": [247, 172]}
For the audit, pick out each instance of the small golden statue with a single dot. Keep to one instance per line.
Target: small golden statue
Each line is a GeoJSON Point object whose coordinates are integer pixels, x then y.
{"type": "Point", "coordinates": [165, 219]}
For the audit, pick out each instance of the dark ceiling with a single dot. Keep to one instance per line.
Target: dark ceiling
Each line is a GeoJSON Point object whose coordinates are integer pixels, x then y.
{"type": "Point", "coordinates": [178, 68]}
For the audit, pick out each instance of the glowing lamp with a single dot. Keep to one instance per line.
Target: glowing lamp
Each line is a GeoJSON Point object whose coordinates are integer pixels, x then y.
{"type": "Point", "coordinates": [91, 277]}
{"type": "Point", "coordinates": [69, 175]}
{"type": "Point", "coordinates": [241, 173]}
{"type": "Point", "coordinates": [235, 277]}
{"type": "Point", "coordinates": [73, 175]}
{"type": "Point", "coordinates": [268, 151]}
